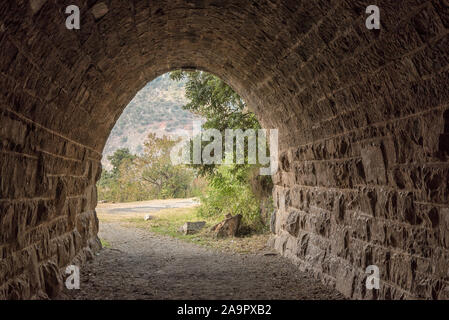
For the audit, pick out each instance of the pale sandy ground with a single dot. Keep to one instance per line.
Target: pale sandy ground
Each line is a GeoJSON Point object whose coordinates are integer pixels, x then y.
{"type": "Point", "coordinates": [104, 207]}
{"type": "Point", "coordinates": [120, 211]}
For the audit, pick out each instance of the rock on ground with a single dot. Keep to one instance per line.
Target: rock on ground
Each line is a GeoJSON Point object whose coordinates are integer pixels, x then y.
{"type": "Point", "coordinates": [228, 227]}
{"type": "Point", "coordinates": [192, 227]}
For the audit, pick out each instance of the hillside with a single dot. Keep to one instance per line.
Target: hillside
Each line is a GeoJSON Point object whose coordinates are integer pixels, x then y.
{"type": "Point", "coordinates": [156, 108]}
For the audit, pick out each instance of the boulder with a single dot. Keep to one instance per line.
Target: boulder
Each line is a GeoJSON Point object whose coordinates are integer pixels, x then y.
{"type": "Point", "coordinates": [228, 227]}
{"type": "Point", "coordinates": [192, 227]}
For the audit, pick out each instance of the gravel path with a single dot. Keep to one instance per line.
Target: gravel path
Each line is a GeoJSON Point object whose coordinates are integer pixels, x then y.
{"type": "Point", "coordinates": [143, 265]}
{"type": "Point", "coordinates": [146, 206]}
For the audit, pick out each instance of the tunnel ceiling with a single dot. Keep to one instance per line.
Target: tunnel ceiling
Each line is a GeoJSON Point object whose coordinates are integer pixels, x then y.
{"type": "Point", "coordinates": [94, 72]}
{"type": "Point", "coordinates": [361, 115]}
{"type": "Point", "coordinates": [308, 60]}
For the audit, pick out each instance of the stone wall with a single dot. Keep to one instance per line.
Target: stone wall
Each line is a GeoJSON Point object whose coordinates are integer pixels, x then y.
{"type": "Point", "coordinates": [47, 203]}
{"type": "Point", "coordinates": [363, 119]}
{"type": "Point", "coordinates": [369, 183]}
{"type": "Point", "coordinates": [374, 196]}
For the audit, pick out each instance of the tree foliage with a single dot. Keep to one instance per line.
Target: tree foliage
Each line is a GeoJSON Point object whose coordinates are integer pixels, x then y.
{"type": "Point", "coordinates": [231, 188]}
{"type": "Point", "coordinates": [155, 168]}
{"type": "Point", "coordinates": [211, 98]}
{"type": "Point", "coordinates": [148, 176]}
{"type": "Point", "coordinates": [221, 107]}
{"type": "Point", "coordinates": [118, 157]}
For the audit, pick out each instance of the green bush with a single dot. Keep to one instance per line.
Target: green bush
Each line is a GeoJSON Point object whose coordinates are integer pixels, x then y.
{"type": "Point", "coordinates": [230, 192]}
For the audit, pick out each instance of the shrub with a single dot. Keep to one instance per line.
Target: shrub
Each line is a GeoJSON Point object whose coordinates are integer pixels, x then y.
{"type": "Point", "coordinates": [230, 192]}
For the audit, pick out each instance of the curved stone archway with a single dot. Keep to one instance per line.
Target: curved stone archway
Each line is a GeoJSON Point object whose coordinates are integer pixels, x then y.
{"type": "Point", "coordinates": [361, 113]}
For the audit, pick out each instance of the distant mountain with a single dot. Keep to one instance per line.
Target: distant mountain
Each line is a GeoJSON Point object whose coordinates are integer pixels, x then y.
{"type": "Point", "coordinates": [156, 108]}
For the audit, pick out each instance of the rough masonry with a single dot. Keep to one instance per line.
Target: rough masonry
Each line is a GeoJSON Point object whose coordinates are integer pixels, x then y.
{"type": "Point", "coordinates": [363, 118]}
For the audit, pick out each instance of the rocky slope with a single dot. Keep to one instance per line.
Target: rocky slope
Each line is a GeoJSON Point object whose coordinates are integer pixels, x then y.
{"type": "Point", "coordinates": [156, 108]}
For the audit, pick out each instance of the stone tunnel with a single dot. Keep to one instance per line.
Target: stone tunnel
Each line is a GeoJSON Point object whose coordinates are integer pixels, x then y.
{"type": "Point", "coordinates": [363, 119]}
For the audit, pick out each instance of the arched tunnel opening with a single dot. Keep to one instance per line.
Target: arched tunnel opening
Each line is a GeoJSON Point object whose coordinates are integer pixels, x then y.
{"type": "Point", "coordinates": [362, 117]}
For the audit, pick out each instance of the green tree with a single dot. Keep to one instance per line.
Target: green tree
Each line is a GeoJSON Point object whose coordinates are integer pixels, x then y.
{"type": "Point", "coordinates": [155, 168]}
{"type": "Point", "coordinates": [117, 158]}
{"type": "Point", "coordinates": [145, 177]}
{"type": "Point", "coordinates": [215, 101]}
{"type": "Point", "coordinates": [232, 189]}
{"type": "Point", "coordinates": [211, 98]}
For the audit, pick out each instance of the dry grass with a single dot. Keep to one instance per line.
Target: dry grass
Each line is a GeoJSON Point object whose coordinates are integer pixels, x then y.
{"type": "Point", "coordinates": [168, 221]}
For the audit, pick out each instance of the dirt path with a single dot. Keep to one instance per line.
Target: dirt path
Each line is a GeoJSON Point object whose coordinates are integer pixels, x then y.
{"type": "Point", "coordinates": [145, 206]}
{"type": "Point", "coordinates": [143, 265]}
